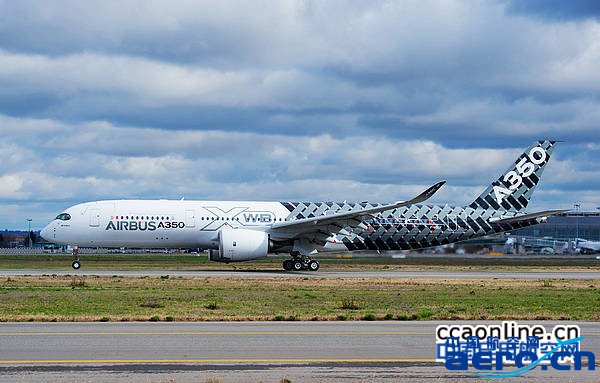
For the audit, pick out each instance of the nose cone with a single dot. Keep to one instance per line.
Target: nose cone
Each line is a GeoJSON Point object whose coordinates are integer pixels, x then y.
{"type": "Point", "coordinates": [45, 233]}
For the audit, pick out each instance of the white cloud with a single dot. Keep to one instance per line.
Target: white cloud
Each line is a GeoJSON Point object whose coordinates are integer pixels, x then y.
{"type": "Point", "coordinates": [11, 187]}
{"type": "Point", "coordinates": [282, 55]}
{"type": "Point", "coordinates": [288, 99]}
{"type": "Point", "coordinates": [98, 160]}
{"type": "Point", "coordinates": [152, 83]}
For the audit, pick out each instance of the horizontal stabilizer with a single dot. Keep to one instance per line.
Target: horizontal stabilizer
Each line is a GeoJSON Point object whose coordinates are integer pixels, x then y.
{"type": "Point", "coordinates": [524, 217]}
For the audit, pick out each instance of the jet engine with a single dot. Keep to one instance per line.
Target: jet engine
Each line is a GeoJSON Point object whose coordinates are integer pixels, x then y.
{"type": "Point", "coordinates": [240, 245]}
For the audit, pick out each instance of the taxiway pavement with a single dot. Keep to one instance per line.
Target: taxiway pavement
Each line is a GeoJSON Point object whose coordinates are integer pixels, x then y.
{"type": "Point", "coordinates": [238, 351]}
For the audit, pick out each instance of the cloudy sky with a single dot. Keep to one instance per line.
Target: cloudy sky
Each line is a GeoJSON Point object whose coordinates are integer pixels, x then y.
{"type": "Point", "coordinates": [292, 100]}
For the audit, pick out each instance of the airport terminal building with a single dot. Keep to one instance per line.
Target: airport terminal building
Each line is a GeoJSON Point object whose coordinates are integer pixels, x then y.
{"type": "Point", "coordinates": [583, 225]}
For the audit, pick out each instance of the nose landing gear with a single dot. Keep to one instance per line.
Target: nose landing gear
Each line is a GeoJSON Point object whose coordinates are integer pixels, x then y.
{"type": "Point", "coordinates": [299, 263]}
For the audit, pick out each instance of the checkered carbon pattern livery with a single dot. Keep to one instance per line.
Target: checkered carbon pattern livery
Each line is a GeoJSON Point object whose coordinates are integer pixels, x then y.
{"type": "Point", "coordinates": [519, 199]}
{"type": "Point", "coordinates": [413, 227]}
{"type": "Point", "coordinates": [421, 226]}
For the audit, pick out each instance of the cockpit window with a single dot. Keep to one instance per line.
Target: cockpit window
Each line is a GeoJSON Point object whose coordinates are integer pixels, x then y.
{"type": "Point", "coordinates": [64, 216]}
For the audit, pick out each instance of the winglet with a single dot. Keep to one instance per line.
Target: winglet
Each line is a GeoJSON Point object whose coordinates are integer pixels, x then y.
{"type": "Point", "coordinates": [423, 196]}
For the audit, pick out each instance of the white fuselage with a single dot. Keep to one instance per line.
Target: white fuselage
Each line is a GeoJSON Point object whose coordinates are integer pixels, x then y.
{"type": "Point", "coordinates": [159, 223]}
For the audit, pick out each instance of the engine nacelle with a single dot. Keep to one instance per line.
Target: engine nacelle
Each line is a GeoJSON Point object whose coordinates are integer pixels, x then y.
{"type": "Point", "coordinates": [240, 245]}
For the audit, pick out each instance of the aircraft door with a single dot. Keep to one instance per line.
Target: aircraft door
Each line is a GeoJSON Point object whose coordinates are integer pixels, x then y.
{"type": "Point", "coordinates": [190, 218]}
{"type": "Point", "coordinates": [94, 217]}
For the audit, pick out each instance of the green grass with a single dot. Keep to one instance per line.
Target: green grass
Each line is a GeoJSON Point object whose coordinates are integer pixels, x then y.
{"type": "Point", "coordinates": [152, 298]}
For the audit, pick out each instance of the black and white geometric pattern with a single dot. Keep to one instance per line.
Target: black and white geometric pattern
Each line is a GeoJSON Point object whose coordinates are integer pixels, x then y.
{"type": "Point", "coordinates": [421, 226]}
{"type": "Point", "coordinates": [520, 197]}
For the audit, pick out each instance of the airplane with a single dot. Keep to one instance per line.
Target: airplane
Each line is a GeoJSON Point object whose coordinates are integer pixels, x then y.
{"type": "Point", "coordinates": [587, 247]}
{"type": "Point", "coordinates": [235, 231]}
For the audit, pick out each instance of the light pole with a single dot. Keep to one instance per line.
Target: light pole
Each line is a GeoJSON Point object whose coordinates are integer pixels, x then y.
{"type": "Point", "coordinates": [577, 206]}
{"type": "Point", "coordinates": [29, 232]}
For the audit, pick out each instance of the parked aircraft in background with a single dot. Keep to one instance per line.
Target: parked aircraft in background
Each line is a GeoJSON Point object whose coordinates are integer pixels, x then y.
{"type": "Point", "coordinates": [245, 230]}
{"type": "Point", "coordinates": [587, 247]}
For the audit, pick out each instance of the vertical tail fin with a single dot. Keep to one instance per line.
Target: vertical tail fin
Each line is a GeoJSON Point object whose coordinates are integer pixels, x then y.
{"type": "Point", "coordinates": [512, 191]}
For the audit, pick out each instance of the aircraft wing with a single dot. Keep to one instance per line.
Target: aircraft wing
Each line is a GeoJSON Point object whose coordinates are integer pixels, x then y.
{"type": "Point", "coordinates": [332, 223]}
{"type": "Point", "coordinates": [524, 217]}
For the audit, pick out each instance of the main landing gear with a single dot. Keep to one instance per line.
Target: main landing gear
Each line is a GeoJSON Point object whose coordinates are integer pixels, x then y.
{"type": "Point", "coordinates": [300, 263]}
{"type": "Point", "coordinates": [76, 264]}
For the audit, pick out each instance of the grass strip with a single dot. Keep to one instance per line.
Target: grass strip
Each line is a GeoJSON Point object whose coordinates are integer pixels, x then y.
{"type": "Point", "coordinates": [94, 298]}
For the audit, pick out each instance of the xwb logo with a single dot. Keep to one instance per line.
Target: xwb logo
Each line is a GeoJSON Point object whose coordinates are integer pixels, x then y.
{"type": "Point", "coordinates": [258, 217]}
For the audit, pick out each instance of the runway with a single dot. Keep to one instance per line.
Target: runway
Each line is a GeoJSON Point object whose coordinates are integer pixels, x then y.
{"type": "Point", "coordinates": [239, 351]}
{"type": "Point", "coordinates": [400, 274]}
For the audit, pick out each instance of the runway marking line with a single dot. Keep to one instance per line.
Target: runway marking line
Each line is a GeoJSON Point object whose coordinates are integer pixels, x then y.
{"type": "Point", "coordinates": [219, 333]}
{"type": "Point", "coordinates": [230, 333]}
{"type": "Point", "coordinates": [206, 361]}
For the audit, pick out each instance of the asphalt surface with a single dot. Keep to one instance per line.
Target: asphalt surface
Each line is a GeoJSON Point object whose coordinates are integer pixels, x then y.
{"type": "Point", "coordinates": [430, 274]}
{"type": "Point", "coordinates": [238, 351]}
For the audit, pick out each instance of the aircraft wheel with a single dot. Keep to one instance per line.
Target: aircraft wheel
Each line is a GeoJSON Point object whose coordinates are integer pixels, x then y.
{"type": "Point", "coordinates": [288, 264]}
{"type": "Point", "coordinates": [76, 265]}
{"type": "Point", "coordinates": [313, 265]}
{"type": "Point", "coordinates": [298, 265]}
